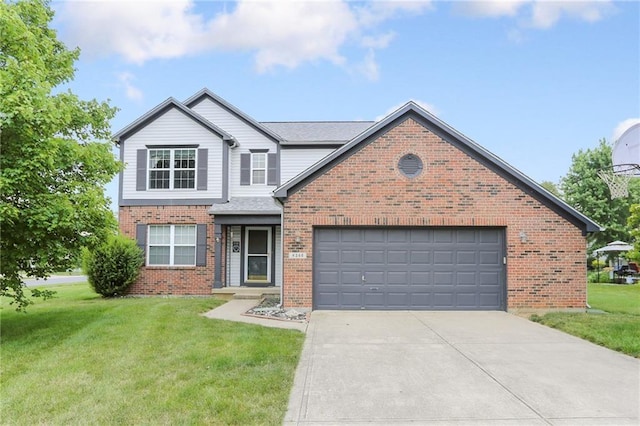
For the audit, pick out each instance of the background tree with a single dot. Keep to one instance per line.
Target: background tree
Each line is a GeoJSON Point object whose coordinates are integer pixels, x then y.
{"type": "Point", "coordinates": [586, 192]}
{"type": "Point", "coordinates": [54, 158]}
{"type": "Point", "coordinates": [551, 187]}
{"type": "Point", "coordinates": [634, 230]}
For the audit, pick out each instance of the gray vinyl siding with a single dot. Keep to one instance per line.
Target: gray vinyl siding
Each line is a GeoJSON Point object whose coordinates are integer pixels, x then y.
{"type": "Point", "coordinates": [171, 129]}
{"type": "Point", "coordinates": [247, 137]}
{"type": "Point", "coordinates": [295, 160]}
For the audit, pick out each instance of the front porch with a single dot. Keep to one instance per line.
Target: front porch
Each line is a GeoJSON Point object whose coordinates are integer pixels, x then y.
{"type": "Point", "coordinates": [257, 293]}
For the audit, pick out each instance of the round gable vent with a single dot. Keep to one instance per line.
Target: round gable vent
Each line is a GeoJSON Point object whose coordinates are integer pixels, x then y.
{"type": "Point", "coordinates": [410, 165]}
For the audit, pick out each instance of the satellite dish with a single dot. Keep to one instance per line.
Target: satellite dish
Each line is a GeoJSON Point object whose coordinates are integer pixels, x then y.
{"type": "Point", "coordinates": [626, 150]}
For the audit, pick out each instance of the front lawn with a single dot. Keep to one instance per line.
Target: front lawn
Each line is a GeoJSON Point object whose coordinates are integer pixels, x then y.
{"type": "Point", "coordinates": [82, 359]}
{"type": "Point", "coordinates": [618, 328]}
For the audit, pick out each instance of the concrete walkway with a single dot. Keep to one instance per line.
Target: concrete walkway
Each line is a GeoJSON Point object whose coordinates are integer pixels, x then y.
{"type": "Point", "coordinates": [234, 310]}
{"type": "Point", "coordinates": [457, 368]}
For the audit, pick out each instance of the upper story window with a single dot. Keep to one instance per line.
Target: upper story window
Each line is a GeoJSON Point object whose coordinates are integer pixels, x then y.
{"type": "Point", "coordinates": [258, 168]}
{"type": "Point", "coordinates": [172, 168]}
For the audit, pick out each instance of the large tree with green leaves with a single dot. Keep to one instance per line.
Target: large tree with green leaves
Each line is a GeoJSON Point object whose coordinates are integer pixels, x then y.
{"type": "Point", "coordinates": [634, 230]}
{"type": "Point", "coordinates": [55, 157]}
{"type": "Point", "coordinates": [584, 190]}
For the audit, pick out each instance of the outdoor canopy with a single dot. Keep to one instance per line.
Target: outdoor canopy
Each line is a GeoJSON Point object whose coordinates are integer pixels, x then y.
{"type": "Point", "coordinates": [616, 246]}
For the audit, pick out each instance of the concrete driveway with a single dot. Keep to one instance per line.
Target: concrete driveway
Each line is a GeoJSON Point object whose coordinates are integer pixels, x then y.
{"type": "Point", "coordinates": [456, 368]}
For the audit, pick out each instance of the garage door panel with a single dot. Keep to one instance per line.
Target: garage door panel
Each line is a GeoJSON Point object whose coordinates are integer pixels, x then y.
{"type": "Point", "coordinates": [398, 300]}
{"type": "Point", "coordinates": [466, 257]}
{"type": "Point", "coordinates": [409, 268]}
{"type": "Point", "coordinates": [397, 278]}
{"type": "Point", "coordinates": [466, 236]}
{"type": "Point", "coordinates": [374, 257]}
{"type": "Point", "coordinates": [490, 257]}
{"type": "Point", "coordinates": [442, 300]}
{"type": "Point", "coordinates": [374, 277]}
{"type": "Point", "coordinates": [398, 236]}
{"type": "Point", "coordinates": [443, 235]}
{"type": "Point", "coordinates": [443, 257]}
{"type": "Point", "coordinates": [328, 278]}
{"type": "Point", "coordinates": [466, 300]}
{"type": "Point", "coordinates": [351, 277]}
{"type": "Point", "coordinates": [443, 278]}
{"type": "Point", "coordinates": [400, 257]}
{"type": "Point", "coordinates": [350, 235]}
{"type": "Point", "coordinates": [489, 278]}
{"type": "Point", "coordinates": [375, 235]}
{"type": "Point", "coordinates": [489, 300]}
{"type": "Point", "coordinates": [374, 300]}
{"type": "Point", "coordinates": [420, 278]}
{"type": "Point", "coordinates": [330, 257]}
{"type": "Point", "coordinates": [420, 257]}
{"type": "Point", "coordinates": [351, 256]}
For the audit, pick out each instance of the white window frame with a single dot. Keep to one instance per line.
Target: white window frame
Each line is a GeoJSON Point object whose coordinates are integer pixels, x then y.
{"type": "Point", "coordinates": [254, 168]}
{"type": "Point", "coordinates": [172, 169]}
{"type": "Point", "coordinates": [172, 244]}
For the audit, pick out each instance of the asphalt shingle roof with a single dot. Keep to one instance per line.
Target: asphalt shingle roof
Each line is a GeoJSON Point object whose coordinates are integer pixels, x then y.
{"type": "Point", "coordinates": [318, 131]}
{"type": "Point", "coordinates": [247, 206]}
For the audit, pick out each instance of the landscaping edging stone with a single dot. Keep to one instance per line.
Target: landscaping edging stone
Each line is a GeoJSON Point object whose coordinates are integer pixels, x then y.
{"type": "Point", "coordinates": [268, 308]}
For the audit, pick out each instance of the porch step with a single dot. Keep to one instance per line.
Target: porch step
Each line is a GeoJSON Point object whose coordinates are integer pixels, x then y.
{"type": "Point", "coordinates": [256, 293]}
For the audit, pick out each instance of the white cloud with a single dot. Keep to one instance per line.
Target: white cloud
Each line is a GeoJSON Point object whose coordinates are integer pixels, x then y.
{"type": "Point", "coordinates": [541, 14]}
{"type": "Point", "coordinates": [132, 92]}
{"type": "Point", "coordinates": [138, 31]}
{"type": "Point", "coordinates": [546, 14]}
{"type": "Point", "coordinates": [490, 8]}
{"type": "Point", "coordinates": [283, 33]}
{"type": "Point", "coordinates": [622, 127]}
{"type": "Point", "coordinates": [424, 105]}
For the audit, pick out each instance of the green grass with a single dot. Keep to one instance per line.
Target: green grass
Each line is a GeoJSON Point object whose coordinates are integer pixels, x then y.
{"type": "Point", "coordinates": [618, 328]}
{"type": "Point", "coordinates": [82, 359]}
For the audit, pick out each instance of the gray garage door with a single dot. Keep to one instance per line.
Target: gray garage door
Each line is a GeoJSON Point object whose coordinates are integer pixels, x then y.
{"type": "Point", "coordinates": [409, 268]}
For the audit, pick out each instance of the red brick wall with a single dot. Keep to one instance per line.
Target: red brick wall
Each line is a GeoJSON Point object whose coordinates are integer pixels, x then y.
{"type": "Point", "coordinates": [548, 271]}
{"type": "Point", "coordinates": [171, 280]}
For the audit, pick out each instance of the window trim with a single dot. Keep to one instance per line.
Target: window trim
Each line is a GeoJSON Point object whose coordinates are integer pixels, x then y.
{"type": "Point", "coordinates": [172, 149]}
{"type": "Point", "coordinates": [252, 168]}
{"type": "Point", "coordinates": [172, 245]}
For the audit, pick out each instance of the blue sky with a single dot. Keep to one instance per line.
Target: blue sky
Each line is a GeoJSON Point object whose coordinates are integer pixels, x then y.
{"type": "Point", "coordinates": [532, 81]}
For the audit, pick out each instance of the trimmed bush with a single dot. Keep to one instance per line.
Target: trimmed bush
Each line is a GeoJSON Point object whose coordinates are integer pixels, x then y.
{"type": "Point", "coordinates": [113, 266]}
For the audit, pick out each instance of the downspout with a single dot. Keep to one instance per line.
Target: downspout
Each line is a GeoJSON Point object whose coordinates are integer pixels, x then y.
{"type": "Point", "coordinates": [281, 250]}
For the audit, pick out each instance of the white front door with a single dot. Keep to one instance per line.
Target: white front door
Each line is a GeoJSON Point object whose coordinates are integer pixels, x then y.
{"type": "Point", "coordinates": [257, 255]}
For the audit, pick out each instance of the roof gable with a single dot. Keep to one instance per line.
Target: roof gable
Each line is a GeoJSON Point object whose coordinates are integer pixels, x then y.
{"type": "Point", "coordinates": [161, 109]}
{"type": "Point", "coordinates": [207, 94]}
{"type": "Point", "coordinates": [448, 133]}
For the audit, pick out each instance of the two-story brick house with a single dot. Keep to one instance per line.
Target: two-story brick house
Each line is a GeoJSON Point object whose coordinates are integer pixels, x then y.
{"type": "Point", "coordinates": [404, 213]}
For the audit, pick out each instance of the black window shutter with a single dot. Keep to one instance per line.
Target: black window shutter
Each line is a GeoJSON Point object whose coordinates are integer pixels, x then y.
{"type": "Point", "coordinates": [245, 169]}
{"type": "Point", "coordinates": [141, 237]}
{"type": "Point", "coordinates": [201, 245]}
{"type": "Point", "coordinates": [141, 170]}
{"type": "Point", "coordinates": [272, 169]}
{"type": "Point", "coordinates": [203, 160]}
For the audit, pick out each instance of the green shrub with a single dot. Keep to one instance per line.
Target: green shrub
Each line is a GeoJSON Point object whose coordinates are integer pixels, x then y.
{"type": "Point", "coordinates": [113, 266]}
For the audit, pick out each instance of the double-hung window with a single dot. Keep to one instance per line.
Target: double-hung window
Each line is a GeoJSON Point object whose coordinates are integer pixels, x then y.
{"type": "Point", "coordinates": [258, 168]}
{"type": "Point", "coordinates": [172, 245]}
{"type": "Point", "coordinates": [172, 168]}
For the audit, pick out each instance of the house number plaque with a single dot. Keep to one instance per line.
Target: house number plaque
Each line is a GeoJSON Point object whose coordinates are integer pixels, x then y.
{"type": "Point", "coordinates": [297, 255]}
